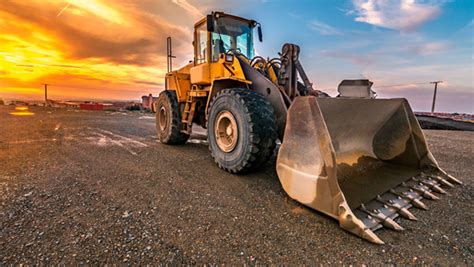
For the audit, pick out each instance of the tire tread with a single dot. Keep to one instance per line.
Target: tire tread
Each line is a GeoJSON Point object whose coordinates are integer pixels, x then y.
{"type": "Point", "coordinates": [262, 129]}
{"type": "Point", "coordinates": [176, 137]}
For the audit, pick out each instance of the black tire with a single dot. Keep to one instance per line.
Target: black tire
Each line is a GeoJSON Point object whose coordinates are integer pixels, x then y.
{"type": "Point", "coordinates": [256, 126]}
{"type": "Point", "coordinates": [168, 119]}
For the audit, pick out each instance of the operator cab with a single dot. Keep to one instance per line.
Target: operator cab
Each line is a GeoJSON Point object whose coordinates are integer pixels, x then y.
{"type": "Point", "coordinates": [223, 33]}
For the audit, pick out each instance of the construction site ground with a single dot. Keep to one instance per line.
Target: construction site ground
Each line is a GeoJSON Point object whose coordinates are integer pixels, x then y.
{"type": "Point", "coordinates": [97, 187]}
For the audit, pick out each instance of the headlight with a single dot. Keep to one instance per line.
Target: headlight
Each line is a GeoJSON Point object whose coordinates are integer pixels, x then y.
{"type": "Point", "coordinates": [229, 58]}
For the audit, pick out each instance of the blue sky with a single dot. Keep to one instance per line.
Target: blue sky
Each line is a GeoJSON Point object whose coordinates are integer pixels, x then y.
{"type": "Point", "coordinates": [404, 43]}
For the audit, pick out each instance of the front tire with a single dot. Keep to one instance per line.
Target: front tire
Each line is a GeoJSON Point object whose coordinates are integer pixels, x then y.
{"type": "Point", "coordinates": [241, 130]}
{"type": "Point", "coordinates": [168, 119]}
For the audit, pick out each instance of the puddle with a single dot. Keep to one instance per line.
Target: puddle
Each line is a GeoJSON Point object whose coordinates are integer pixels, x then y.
{"type": "Point", "coordinates": [146, 118]}
{"type": "Point", "coordinates": [21, 111]}
{"type": "Point", "coordinates": [100, 137]}
{"type": "Point", "coordinates": [92, 136]}
{"type": "Point", "coordinates": [197, 141]}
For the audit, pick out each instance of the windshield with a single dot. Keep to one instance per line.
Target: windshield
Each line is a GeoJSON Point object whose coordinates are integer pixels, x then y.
{"type": "Point", "coordinates": [231, 34]}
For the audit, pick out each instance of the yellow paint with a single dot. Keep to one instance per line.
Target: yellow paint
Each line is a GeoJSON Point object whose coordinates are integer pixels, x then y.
{"type": "Point", "coordinates": [203, 75]}
{"type": "Point", "coordinates": [200, 74]}
{"type": "Point", "coordinates": [180, 82]}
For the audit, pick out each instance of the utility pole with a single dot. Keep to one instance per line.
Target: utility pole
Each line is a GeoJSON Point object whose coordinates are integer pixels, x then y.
{"type": "Point", "coordinates": [434, 95]}
{"type": "Point", "coordinates": [45, 95]}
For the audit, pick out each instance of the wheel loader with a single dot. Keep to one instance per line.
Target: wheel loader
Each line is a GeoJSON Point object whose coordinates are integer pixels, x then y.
{"type": "Point", "coordinates": [360, 160]}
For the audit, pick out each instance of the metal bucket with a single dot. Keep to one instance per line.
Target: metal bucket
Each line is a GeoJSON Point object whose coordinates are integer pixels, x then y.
{"type": "Point", "coordinates": [362, 161]}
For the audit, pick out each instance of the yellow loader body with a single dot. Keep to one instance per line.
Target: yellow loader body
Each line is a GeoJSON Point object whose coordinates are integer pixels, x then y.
{"type": "Point", "coordinates": [360, 160]}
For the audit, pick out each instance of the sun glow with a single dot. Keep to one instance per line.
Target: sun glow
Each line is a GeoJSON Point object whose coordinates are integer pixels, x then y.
{"type": "Point", "coordinates": [82, 49]}
{"type": "Point", "coordinates": [101, 10]}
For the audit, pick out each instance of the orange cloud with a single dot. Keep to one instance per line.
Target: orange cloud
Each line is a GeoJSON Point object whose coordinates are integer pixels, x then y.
{"type": "Point", "coordinates": [87, 48]}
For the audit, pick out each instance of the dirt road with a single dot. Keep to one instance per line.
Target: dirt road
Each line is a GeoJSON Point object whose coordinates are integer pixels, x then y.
{"type": "Point", "coordinates": [97, 187]}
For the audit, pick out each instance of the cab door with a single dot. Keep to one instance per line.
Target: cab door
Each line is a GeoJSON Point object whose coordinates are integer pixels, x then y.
{"type": "Point", "coordinates": [202, 55]}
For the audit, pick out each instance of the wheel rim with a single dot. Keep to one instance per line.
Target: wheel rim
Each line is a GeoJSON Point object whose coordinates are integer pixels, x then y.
{"type": "Point", "coordinates": [162, 118]}
{"type": "Point", "coordinates": [226, 131]}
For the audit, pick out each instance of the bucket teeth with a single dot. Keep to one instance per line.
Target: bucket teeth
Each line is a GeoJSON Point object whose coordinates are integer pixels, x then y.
{"type": "Point", "coordinates": [421, 189]}
{"type": "Point", "coordinates": [443, 181]}
{"type": "Point", "coordinates": [384, 208]}
{"type": "Point", "coordinates": [407, 214]}
{"type": "Point", "coordinates": [415, 202]}
{"type": "Point", "coordinates": [438, 189]}
{"type": "Point", "coordinates": [401, 210]}
{"type": "Point", "coordinates": [384, 220]}
{"type": "Point", "coordinates": [452, 179]}
{"type": "Point", "coordinates": [440, 179]}
{"type": "Point", "coordinates": [430, 195]}
{"type": "Point", "coordinates": [389, 222]}
{"type": "Point", "coordinates": [372, 237]}
{"type": "Point", "coordinates": [431, 184]}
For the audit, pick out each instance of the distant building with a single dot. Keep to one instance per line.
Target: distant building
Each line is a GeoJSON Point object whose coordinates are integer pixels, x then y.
{"type": "Point", "coordinates": [91, 106]}
{"type": "Point", "coordinates": [19, 103]}
{"type": "Point", "coordinates": [63, 104]}
{"type": "Point", "coordinates": [453, 116]}
{"type": "Point", "coordinates": [148, 102]}
{"type": "Point", "coordinates": [123, 105]}
{"type": "Point", "coordinates": [110, 106]}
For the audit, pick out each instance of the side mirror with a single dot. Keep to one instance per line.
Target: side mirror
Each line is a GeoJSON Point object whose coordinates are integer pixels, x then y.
{"type": "Point", "coordinates": [210, 23]}
{"type": "Point", "coordinates": [260, 35]}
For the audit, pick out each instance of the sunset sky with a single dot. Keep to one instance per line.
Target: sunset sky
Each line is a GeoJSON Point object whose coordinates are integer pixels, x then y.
{"type": "Point", "coordinates": [115, 49]}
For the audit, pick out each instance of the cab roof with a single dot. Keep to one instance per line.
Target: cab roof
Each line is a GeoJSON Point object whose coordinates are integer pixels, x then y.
{"type": "Point", "coordinates": [223, 14]}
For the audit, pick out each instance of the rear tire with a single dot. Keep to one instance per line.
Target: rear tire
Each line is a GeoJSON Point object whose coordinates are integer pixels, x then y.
{"type": "Point", "coordinates": [168, 119]}
{"type": "Point", "coordinates": [241, 130]}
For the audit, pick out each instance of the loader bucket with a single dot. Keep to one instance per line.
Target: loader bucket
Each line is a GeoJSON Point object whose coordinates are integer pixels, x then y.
{"type": "Point", "coordinates": [363, 162]}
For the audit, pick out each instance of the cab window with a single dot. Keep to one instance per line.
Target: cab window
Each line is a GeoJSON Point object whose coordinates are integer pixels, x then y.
{"type": "Point", "coordinates": [220, 43]}
{"type": "Point", "coordinates": [245, 44]}
{"type": "Point", "coordinates": [201, 44]}
{"type": "Point", "coordinates": [231, 35]}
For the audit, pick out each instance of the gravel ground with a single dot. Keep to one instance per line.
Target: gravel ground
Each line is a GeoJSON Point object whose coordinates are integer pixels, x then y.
{"type": "Point", "coordinates": [84, 187]}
